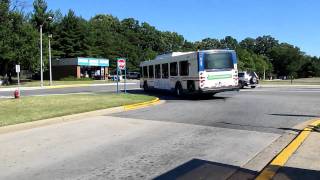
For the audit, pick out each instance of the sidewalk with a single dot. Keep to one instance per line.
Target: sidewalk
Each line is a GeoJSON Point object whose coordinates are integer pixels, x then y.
{"type": "Point", "coordinates": [305, 162]}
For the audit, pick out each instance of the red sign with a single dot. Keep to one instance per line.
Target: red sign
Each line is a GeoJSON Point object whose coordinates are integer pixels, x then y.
{"type": "Point", "coordinates": [121, 63]}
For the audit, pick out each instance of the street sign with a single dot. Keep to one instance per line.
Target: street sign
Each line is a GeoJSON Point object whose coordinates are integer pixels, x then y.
{"type": "Point", "coordinates": [17, 68]}
{"type": "Point", "coordinates": [18, 74]}
{"type": "Point", "coordinates": [121, 63]}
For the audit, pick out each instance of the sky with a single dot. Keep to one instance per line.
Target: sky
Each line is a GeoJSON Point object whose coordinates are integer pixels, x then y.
{"type": "Point", "coordinates": [294, 21]}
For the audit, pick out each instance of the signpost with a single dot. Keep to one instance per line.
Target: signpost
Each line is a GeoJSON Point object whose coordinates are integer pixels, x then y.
{"type": "Point", "coordinates": [121, 65]}
{"type": "Point", "coordinates": [18, 74]}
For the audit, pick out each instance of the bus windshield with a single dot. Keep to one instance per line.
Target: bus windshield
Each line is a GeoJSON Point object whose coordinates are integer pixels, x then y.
{"type": "Point", "coordinates": [218, 61]}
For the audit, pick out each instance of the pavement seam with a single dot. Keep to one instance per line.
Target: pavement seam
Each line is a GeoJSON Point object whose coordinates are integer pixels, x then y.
{"type": "Point", "coordinates": [77, 116]}
{"type": "Point", "coordinates": [279, 161]}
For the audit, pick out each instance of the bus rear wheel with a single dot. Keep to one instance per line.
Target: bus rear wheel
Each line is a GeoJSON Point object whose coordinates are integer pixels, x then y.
{"type": "Point", "coordinates": [178, 90]}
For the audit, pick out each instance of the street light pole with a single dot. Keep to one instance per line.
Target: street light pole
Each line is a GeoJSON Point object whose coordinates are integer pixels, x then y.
{"type": "Point", "coordinates": [41, 53]}
{"type": "Point", "coordinates": [41, 60]}
{"type": "Point", "coordinates": [50, 67]}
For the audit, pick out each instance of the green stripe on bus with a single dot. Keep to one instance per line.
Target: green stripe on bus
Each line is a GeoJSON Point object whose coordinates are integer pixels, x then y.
{"type": "Point", "coordinates": [221, 76]}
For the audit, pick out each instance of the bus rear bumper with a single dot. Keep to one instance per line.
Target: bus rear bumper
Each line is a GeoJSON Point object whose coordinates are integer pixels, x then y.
{"type": "Point", "coordinates": [217, 90]}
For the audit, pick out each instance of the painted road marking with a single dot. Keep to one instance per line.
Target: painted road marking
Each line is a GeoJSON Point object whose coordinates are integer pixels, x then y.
{"type": "Point", "coordinates": [280, 160]}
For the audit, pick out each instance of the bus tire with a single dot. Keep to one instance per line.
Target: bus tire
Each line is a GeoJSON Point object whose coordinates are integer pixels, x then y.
{"type": "Point", "coordinates": [145, 86]}
{"type": "Point", "coordinates": [178, 90]}
{"type": "Point", "coordinates": [241, 85]}
{"type": "Point", "coordinates": [190, 86]}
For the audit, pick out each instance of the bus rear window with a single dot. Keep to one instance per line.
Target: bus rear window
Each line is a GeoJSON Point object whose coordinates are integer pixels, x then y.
{"type": "Point", "coordinates": [173, 69]}
{"type": "Point", "coordinates": [165, 71]}
{"type": "Point", "coordinates": [157, 71]}
{"type": "Point", "coordinates": [145, 71]}
{"type": "Point", "coordinates": [151, 71]}
{"type": "Point", "coordinates": [218, 61]}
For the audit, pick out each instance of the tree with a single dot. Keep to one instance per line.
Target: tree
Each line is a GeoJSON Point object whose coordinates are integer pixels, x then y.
{"type": "Point", "coordinates": [286, 59]}
{"type": "Point", "coordinates": [105, 36]}
{"type": "Point", "coordinates": [41, 14]}
{"type": "Point", "coordinates": [264, 44]}
{"type": "Point", "coordinates": [5, 38]}
{"type": "Point", "coordinates": [208, 43]}
{"type": "Point", "coordinates": [229, 43]}
{"type": "Point", "coordinates": [71, 37]}
{"type": "Point", "coordinates": [248, 44]}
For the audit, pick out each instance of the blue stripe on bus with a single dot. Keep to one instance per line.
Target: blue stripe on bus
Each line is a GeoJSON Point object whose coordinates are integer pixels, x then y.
{"type": "Point", "coordinates": [234, 57]}
{"type": "Point", "coordinates": [200, 61]}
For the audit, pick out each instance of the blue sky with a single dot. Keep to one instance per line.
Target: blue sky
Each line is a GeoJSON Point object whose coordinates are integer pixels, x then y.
{"type": "Point", "coordinates": [294, 21]}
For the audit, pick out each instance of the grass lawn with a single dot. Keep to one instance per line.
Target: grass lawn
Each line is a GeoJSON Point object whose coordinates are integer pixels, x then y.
{"type": "Point", "coordinates": [26, 109]}
{"type": "Point", "coordinates": [46, 83]}
{"type": "Point", "coordinates": [302, 81]}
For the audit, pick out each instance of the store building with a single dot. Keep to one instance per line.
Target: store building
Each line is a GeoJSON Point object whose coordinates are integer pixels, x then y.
{"type": "Point", "coordinates": [80, 67]}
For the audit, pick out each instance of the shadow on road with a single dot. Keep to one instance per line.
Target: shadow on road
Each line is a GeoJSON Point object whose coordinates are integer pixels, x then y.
{"type": "Point", "coordinates": [297, 174]}
{"type": "Point", "coordinates": [201, 169]}
{"type": "Point", "coordinates": [163, 95]}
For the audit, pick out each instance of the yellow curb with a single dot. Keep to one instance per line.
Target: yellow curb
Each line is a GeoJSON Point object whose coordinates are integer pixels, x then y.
{"type": "Point", "coordinates": [141, 105]}
{"type": "Point", "coordinates": [66, 86]}
{"type": "Point", "coordinates": [271, 169]}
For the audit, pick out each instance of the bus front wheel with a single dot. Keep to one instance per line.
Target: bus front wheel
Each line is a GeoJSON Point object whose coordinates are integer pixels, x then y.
{"type": "Point", "coordinates": [145, 86]}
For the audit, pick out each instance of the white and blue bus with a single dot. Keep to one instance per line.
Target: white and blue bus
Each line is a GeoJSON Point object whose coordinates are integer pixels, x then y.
{"type": "Point", "coordinates": [207, 71]}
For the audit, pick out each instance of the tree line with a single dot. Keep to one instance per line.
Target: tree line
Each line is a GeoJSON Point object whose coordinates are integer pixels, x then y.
{"type": "Point", "coordinates": [108, 37]}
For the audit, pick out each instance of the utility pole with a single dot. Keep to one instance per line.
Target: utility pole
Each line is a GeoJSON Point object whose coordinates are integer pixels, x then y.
{"type": "Point", "coordinates": [41, 60]}
{"type": "Point", "coordinates": [41, 53]}
{"type": "Point", "coordinates": [50, 67]}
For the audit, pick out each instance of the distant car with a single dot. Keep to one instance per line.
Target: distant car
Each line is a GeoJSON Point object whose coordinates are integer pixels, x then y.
{"type": "Point", "coordinates": [248, 79]}
{"type": "Point", "coordinates": [133, 75]}
{"type": "Point", "coordinates": [114, 77]}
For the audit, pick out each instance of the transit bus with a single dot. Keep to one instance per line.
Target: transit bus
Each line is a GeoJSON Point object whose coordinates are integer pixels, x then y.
{"type": "Point", "coordinates": [206, 71]}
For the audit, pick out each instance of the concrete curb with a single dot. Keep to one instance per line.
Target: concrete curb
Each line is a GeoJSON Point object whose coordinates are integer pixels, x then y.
{"type": "Point", "coordinates": [74, 117]}
{"type": "Point", "coordinates": [279, 161]}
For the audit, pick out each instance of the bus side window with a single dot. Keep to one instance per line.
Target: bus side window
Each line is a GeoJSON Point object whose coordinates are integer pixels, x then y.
{"type": "Point", "coordinates": [151, 75]}
{"type": "Point", "coordinates": [173, 69]}
{"type": "Point", "coordinates": [157, 71]}
{"type": "Point", "coordinates": [145, 72]}
{"type": "Point", "coordinates": [165, 71]}
{"type": "Point", "coordinates": [184, 68]}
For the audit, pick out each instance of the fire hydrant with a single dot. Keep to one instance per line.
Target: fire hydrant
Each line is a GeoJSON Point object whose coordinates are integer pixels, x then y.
{"type": "Point", "coordinates": [16, 94]}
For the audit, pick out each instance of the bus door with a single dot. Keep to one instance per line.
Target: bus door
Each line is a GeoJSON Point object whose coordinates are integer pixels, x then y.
{"type": "Point", "coordinates": [173, 74]}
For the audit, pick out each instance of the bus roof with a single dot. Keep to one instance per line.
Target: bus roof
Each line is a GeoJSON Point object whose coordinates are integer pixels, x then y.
{"type": "Point", "coordinates": [168, 57]}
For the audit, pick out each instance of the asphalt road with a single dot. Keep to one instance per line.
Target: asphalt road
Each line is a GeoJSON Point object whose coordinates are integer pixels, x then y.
{"type": "Point", "coordinates": [69, 90]}
{"type": "Point", "coordinates": [188, 138]}
{"type": "Point", "coordinates": [263, 109]}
